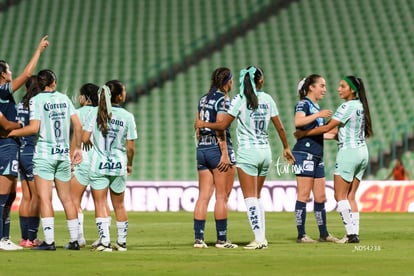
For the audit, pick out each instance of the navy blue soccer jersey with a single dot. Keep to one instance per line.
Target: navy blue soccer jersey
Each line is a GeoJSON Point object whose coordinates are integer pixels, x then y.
{"type": "Point", "coordinates": [310, 144]}
{"type": "Point", "coordinates": [210, 105]}
{"type": "Point", "coordinates": [8, 108]}
{"type": "Point", "coordinates": [27, 143]}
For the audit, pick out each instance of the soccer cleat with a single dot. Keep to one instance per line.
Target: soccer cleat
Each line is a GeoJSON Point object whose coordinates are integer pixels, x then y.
{"type": "Point", "coordinates": [23, 242]}
{"type": "Point", "coordinates": [72, 246]}
{"type": "Point", "coordinates": [45, 246]}
{"type": "Point", "coordinates": [36, 242]}
{"type": "Point", "coordinates": [8, 245]}
{"type": "Point", "coordinates": [225, 244]}
{"type": "Point", "coordinates": [96, 243]}
{"type": "Point", "coordinates": [103, 248]}
{"type": "Point", "coordinates": [200, 244]}
{"type": "Point", "coordinates": [305, 239]}
{"type": "Point", "coordinates": [120, 246]}
{"type": "Point", "coordinates": [328, 238]}
{"type": "Point", "coordinates": [353, 238]}
{"type": "Point", "coordinates": [256, 245]}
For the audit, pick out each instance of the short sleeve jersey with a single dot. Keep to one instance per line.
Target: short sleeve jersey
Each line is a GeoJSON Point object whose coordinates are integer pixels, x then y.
{"type": "Point", "coordinates": [252, 125]}
{"type": "Point", "coordinates": [351, 133]}
{"type": "Point", "coordinates": [310, 144]}
{"type": "Point", "coordinates": [27, 143]}
{"type": "Point", "coordinates": [84, 113]}
{"type": "Point", "coordinates": [109, 156]}
{"type": "Point", "coordinates": [8, 108]}
{"type": "Point", "coordinates": [54, 111]}
{"type": "Point", "coordinates": [209, 107]}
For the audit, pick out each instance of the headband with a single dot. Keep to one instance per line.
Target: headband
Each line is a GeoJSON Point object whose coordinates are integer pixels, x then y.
{"type": "Point", "coordinates": [243, 73]}
{"type": "Point", "coordinates": [228, 78]}
{"type": "Point", "coordinates": [350, 83]}
{"type": "Point", "coordinates": [300, 84]}
{"type": "Point", "coordinates": [107, 94]}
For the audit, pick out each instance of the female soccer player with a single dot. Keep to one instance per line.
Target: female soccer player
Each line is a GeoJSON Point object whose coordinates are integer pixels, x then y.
{"type": "Point", "coordinates": [8, 146]}
{"type": "Point", "coordinates": [88, 100]}
{"type": "Point", "coordinates": [308, 152]}
{"type": "Point", "coordinates": [112, 131]}
{"type": "Point", "coordinates": [353, 120]}
{"type": "Point", "coordinates": [215, 160]}
{"type": "Point", "coordinates": [51, 113]}
{"type": "Point", "coordinates": [254, 110]}
{"type": "Point", "coordinates": [29, 212]}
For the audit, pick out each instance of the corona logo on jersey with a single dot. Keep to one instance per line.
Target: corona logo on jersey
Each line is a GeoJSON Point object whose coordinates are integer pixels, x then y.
{"type": "Point", "coordinates": [50, 106]}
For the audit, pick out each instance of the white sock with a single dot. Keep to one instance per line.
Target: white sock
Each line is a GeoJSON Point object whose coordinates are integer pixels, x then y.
{"type": "Point", "coordinates": [254, 215]}
{"type": "Point", "coordinates": [122, 227]}
{"type": "Point", "coordinates": [344, 208]}
{"type": "Point", "coordinates": [262, 212]}
{"type": "Point", "coordinates": [73, 229]}
{"type": "Point", "coordinates": [103, 230]}
{"type": "Point", "coordinates": [80, 226]}
{"type": "Point", "coordinates": [48, 225]}
{"type": "Point", "coordinates": [355, 219]}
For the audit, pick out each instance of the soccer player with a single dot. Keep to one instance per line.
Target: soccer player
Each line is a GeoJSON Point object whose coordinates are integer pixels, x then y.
{"type": "Point", "coordinates": [88, 99]}
{"type": "Point", "coordinates": [353, 120]}
{"type": "Point", "coordinates": [112, 131]}
{"type": "Point", "coordinates": [8, 146]}
{"type": "Point", "coordinates": [51, 114]}
{"type": "Point", "coordinates": [308, 152]}
{"type": "Point", "coordinates": [254, 109]}
{"type": "Point", "coordinates": [215, 160]}
{"type": "Point", "coordinates": [29, 212]}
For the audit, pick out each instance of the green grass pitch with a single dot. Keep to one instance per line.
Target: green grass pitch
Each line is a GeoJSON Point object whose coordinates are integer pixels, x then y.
{"type": "Point", "coordinates": [162, 244]}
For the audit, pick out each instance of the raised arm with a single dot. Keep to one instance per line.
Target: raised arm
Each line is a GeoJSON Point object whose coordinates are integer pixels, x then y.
{"type": "Point", "coordinates": [30, 67]}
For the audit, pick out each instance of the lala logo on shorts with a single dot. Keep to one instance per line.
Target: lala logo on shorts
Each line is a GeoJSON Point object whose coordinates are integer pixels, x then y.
{"type": "Point", "coordinates": [110, 165]}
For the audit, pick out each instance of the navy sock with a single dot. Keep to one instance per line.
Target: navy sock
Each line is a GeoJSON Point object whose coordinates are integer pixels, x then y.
{"type": "Point", "coordinates": [199, 229]}
{"type": "Point", "coordinates": [320, 215]}
{"type": "Point", "coordinates": [24, 227]}
{"type": "Point", "coordinates": [3, 200]}
{"type": "Point", "coordinates": [221, 229]}
{"type": "Point", "coordinates": [33, 227]}
{"type": "Point", "coordinates": [6, 215]}
{"type": "Point", "coordinates": [300, 213]}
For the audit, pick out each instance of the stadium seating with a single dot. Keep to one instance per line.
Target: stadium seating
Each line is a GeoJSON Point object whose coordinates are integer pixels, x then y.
{"type": "Point", "coordinates": [94, 41]}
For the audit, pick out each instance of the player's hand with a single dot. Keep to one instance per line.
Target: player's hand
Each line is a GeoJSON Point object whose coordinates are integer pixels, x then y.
{"type": "Point", "coordinates": [198, 123]}
{"type": "Point", "coordinates": [299, 134]}
{"type": "Point", "coordinates": [76, 156]}
{"type": "Point", "coordinates": [287, 154]}
{"type": "Point", "coordinates": [325, 113]}
{"type": "Point", "coordinates": [224, 164]}
{"type": "Point", "coordinates": [87, 146]}
{"type": "Point", "coordinates": [44, 43]}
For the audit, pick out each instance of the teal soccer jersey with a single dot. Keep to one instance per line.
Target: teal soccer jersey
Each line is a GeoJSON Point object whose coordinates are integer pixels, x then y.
{"type": "Point", "coordinates": [351, 132]}
{"type": "Point", "coordinates": [53, 110]}
{"type": "Point", "coordinates": [252, 125]}
{"type": "Point", "coordinates": [109, 155]}
{"type": "Point", "coordinates": [84, 113]}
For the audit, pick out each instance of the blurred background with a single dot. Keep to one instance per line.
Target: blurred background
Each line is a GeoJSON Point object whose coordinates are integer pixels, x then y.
{"type": "Point", "coordinates": [165, 51]}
